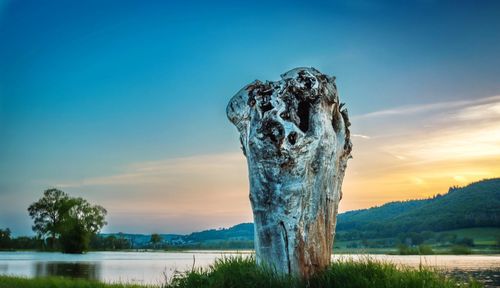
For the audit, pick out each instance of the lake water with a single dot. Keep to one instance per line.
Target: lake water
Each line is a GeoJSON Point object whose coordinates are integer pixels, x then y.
{"type": "Point", "coordinates": [156, 267]}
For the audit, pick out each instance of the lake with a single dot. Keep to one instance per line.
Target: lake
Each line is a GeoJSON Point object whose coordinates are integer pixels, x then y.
{"type": "Point", "coordinates": [156, 267]}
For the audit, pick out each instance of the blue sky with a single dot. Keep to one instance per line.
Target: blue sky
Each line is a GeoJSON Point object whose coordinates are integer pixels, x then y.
{"type": "Point", "coordinates": [89, 89]}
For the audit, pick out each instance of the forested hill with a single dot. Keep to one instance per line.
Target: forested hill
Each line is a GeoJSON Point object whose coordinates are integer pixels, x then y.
{"type": "Point", "coordinates": [475, 205]}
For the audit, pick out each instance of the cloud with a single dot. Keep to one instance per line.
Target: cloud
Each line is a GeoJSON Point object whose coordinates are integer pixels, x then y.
{"type": "Point", "coordinates": [418, 151]}
{"type": "Point", "coordinates": [432, 107]}
{"type": "Point", "coordinates": [154, 172]}
{"type": "Point", "coordinates": [361, 136]}
{"type": "Point", "coordinates": [464, 132]}
{"type": "Point", "coordinates": [178, 195]}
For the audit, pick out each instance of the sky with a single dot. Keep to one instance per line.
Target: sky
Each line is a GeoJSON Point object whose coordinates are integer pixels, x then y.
{"type": "Point", "coordinates": [123, 102]}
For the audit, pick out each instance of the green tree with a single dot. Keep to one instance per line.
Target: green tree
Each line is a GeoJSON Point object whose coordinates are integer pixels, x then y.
{"type": "Point", "coordinates": [80, 222]}
{"type": "Point", "coordinates": [47, 214]}
{"type": "Point", "coordinates": [73, 220]}
{"type": "Point", "coordinates": [155, 239]}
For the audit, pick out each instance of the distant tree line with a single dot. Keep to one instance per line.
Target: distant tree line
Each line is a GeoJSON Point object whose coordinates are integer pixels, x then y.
{"type": "Point", "coordinates": [97, 242]}
{"type": "Point", "coordinates": [109, 243]}
{"type": "Point", "coordinates": [19, 243]}
{"type": "Point", "coordinates": [410, 239]}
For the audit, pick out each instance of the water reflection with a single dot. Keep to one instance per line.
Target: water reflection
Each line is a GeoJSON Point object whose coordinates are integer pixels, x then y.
{"type": "Point", "coordinates": [153, 267]}
{"type": "Point", "coordinates": [86, 270]}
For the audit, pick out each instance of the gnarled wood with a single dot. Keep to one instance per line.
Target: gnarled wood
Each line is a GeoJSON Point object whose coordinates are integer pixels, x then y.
{"type": "Point", "coordinates": [294, 133]}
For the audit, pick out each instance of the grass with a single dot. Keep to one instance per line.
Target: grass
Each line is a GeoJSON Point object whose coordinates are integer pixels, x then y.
{"type": "Point", "coordinates": [481, 236]}
{"type": "Point", "coordinates": [57, 282]}
{"type": "Point", "coordinates": [485, 242]}
{"type": "Point", "coordinates": [461, 250]}
{"type": "Point", "coordinates": [243, 272]}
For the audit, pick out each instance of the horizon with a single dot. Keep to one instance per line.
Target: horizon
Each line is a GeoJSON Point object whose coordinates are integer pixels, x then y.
{"type": "Point", "coordinates": [361, 209]}
{"type": "Point", "coordinates": [251, 222]}
{"type": "Point", "coordinates": [124, 104]}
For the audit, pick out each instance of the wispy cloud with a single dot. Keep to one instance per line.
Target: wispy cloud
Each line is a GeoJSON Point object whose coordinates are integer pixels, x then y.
{"type": "Point", "coordinates": [441, 144]}
{"type": "Point", "coordinates": [361, 136]}
{"type": "Point", "coordinates": [195, 168]}
{"type": "Point", "coordinates": [199, 191]}
{"type": "Point", "coordinates": [463, 132]}
{"type": "Point", "coordinates": [431, 107]}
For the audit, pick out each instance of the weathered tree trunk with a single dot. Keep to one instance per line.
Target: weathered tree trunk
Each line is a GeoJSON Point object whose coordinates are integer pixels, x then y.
{"type": "Point", "coordinates": [295, 136]}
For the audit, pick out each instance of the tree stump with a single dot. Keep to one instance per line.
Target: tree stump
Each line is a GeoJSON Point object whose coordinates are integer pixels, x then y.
{"type": "Point", "coordinates": [295, 136]}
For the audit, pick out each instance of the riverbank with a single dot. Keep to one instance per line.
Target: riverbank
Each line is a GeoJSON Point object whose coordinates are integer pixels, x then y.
{"type": "Point", "coordinates": [241, 271]}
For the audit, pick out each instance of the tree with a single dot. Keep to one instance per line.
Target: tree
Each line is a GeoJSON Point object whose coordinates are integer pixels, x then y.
{"type": "Point", "coordinates": [47, 214]}
{"type": "Point", "coordinates": [5, 240]}
{"type": "Point", "coordinates": [81, 221]}
{"type": "Point", "coordinates": [155, 239]}
{"type": "Point", "coordinates": [72, 220]}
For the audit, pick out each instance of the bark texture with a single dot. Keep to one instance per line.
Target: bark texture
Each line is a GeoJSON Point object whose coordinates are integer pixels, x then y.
{"type": "Point", "coordinates": [295, 136]}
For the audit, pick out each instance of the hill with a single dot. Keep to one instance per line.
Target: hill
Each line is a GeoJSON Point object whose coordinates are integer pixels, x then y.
{"type": "Point", "coordinates": [475, 205]}
{"type": "Point", "coordinates": [240, 232]}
